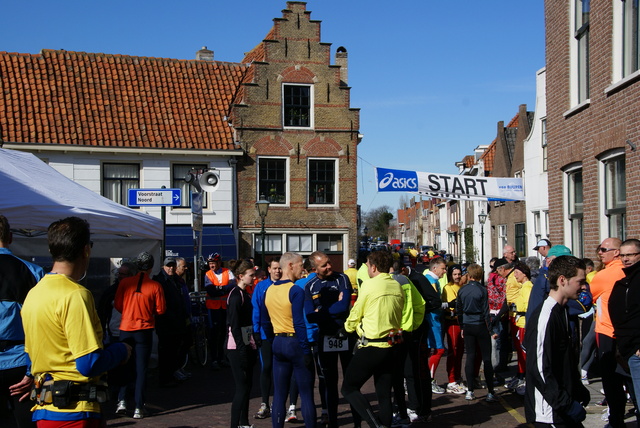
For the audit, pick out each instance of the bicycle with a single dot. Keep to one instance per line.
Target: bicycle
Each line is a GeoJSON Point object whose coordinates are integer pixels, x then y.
{"type": "Point", "coordinates": [200, 349]}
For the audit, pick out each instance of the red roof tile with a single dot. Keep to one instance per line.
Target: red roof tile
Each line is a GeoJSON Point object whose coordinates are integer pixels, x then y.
{"type": "Point", "coordinates": [93, 99]}
{"type": "Point", "coordinates": [488, 157]}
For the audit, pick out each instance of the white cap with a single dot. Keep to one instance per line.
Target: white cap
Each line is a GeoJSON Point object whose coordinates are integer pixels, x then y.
{"type": "Point", "coordinates": [351, 262]}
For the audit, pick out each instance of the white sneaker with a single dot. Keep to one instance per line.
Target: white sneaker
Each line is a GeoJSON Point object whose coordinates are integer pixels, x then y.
{"type": "Point", "coordinates": [291, 414]}
{"type": "Point", "coordinates": [412, 415]}
{"type": "Point", "coordinates": [122, 407]}
{"type": "Point", "coordinates": [435, 388]}
{"type": "Point", "coordinates": [455, 388]}
{"type": "Point", "coordinates": [139, 413]}
{"type": "Point", "coordinates": [470, 396]}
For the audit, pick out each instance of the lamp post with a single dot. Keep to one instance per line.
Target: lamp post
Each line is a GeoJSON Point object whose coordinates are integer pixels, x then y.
{"type": "Point", "coordinates": [262, 206]}
{"type": "Point", "coordinates": [460, 233]}
{"type": "Point", "coordinates": [482, 218]}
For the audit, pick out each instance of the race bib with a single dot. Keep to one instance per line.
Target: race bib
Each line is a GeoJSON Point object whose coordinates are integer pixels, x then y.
{"type": "Point", "coordinates": [333, 344]}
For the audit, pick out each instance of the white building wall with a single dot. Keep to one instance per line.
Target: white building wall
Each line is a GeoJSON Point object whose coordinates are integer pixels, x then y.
{"type": "Point", "coordinates": [535, 178]}
{"type": "Point", "coordinates": [155, 172]}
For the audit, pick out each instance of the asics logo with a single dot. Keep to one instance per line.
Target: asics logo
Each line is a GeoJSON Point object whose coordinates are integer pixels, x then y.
{"type": "Point", "coordinates": [397, 182]}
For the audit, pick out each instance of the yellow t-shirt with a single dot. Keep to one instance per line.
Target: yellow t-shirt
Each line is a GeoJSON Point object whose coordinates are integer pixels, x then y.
{"type": "Point", "coordinates": [449, 294]}
{"type": "Point", "coordinates": [352, 273]}
{"type": "Point", "coordinates": [61, 324]}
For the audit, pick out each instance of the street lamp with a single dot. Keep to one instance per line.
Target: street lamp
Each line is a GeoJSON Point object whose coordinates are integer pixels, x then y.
{"type": "Point", "coordinates": [262, 206]}
{"type": "Point", "coordinates": [482, 218]}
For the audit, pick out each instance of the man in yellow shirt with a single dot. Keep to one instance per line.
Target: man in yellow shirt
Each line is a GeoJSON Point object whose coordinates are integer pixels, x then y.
{"type": "Point", "coordinates": [63, 335]}
{"type": "Point", "coordinates": [377, 318]}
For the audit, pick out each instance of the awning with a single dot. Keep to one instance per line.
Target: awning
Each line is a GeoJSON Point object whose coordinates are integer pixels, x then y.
{"type": "Point", "coordinates": [215, 239]}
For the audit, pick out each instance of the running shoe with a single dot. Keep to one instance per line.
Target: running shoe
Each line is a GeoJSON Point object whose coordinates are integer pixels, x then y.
{"type": "Point", "coordinates": [491, 398]}
{"type": "Point", "coordinates": [122, 407]}
{"type": "Point", "coordinates": [470, 396]}
{"type": "Point", "coordinates": [435, 388]}
{"type": "Point", "coordinates": [291, 414]}
{"type": "Point", "coordinates": [264, 412]}
{"type": "Point", "coordinates": [455, 388]}
{"type": "Point", "coordinates": [139, 413]}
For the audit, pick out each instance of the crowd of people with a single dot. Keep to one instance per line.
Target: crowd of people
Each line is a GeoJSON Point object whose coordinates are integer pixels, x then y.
{"type": "Point", "coordinates": [565, 319]}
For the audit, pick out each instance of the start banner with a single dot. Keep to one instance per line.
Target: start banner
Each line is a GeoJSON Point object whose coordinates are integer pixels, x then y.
{"type": "Point", "coordinates": [446, 186]}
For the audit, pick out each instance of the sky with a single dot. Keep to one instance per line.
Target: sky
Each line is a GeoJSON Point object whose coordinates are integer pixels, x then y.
{"type": "Point", "coordinates": [432, 78]}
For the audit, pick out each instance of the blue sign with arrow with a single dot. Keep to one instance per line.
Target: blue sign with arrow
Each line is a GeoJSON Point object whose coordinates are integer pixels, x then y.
{"type": "Point", "coordinates": [155, 197]}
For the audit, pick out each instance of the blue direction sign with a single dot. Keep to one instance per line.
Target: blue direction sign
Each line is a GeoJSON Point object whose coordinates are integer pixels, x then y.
{"type": "Point", "coordinates": [155, 197]}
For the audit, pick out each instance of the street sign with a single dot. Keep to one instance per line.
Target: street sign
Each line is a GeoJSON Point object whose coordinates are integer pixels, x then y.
{"type": "Point", "coordinates": [155, 197]}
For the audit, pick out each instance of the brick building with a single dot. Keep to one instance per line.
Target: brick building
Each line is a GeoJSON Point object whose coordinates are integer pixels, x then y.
{"type": "Point", "coordinates": [300, 135]}
{"type": "Point", "coordinates": [508, 218]}
{"type": "Point", "coordinates": [593, 69]}
{"type": "Point", "coordinates": [278, 124]}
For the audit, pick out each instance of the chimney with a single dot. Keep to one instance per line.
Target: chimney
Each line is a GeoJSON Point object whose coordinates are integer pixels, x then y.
{"type": "Point", "coordinates": [204, 54]}
{"type": "Point", "coordinates": [343, 61]}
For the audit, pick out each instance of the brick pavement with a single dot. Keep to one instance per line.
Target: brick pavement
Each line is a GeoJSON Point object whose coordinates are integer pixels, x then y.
{"type": "Point", "coordinates": [204, 401]}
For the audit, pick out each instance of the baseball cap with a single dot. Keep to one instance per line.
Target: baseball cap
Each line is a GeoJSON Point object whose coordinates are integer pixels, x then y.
{"type": "Point", "coordinates": [542, 243]}
{"type": "Point", "coordinates": [144, 261]}
{"type": "Point", "coordinates": [351, 262]}
{"type": "Point", "coordinates": [500, 262]}
{"type": "Point", "coordinates": [559, 250]}
{"type": "Point", "coordinates": [169, 260]}
{"type": "Point", "coordinates": [214, 257]}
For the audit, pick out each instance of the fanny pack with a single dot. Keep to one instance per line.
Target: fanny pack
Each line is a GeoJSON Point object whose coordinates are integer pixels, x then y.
{"type": "Point", "coordinates": [65, 393]}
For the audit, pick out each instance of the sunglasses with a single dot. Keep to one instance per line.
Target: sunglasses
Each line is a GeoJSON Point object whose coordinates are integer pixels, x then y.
{"type": "Point", "coordinates": [624, 256]}
{"type": "Point", "coordinates": [606, 250]}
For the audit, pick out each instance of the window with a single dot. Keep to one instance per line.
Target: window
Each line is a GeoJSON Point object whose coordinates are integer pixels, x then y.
{"type": "Point", "coordinates": [272, 244]}
{"type": "Point", "coordinates": [582, 10]}
{"type": "Point", "coordinates": [543, 122]}
{"type": "Point", "coordinates": [536, 226]}
{"type": "Point", "coordinates": [272, 179]}
{"type": "Point", "coordinates": [300, 243]}
{"type": "Point", "coordinates": [576, 211]}
{"type": "Point", "coordinates": [546, 223]}
{"type": "Point", "coordinates": [117, 179]}
{"type": "Point", "coordinates": [630, 33]}
{"type": "Point", "coordinates": [179, 172]}
{"type": "Point", "coordinates": [615, 196]}
{"type": "Point", "coordinates": [330, 243]}
{"type": "Point", "coordinates": [502, 236]}
{"type": "Point", "coordinates": [322, 182]}
{"type": "Point", "coordinates": [521, 240]}
{"type": "Point", "coordinates": [297, 105]}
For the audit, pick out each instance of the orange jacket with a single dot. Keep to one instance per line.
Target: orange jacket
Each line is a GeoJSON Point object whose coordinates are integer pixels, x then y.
{"type": "Point", "coordinates": [601, 286]}
{"type": "Point", "coordinates": [139, 299]}
{"type": "Point", "coordinates": [221, 301]}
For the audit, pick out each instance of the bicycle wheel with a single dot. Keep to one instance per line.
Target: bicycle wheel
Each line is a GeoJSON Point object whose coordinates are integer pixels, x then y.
{"type": "Point", "coordinates": [200, 345]}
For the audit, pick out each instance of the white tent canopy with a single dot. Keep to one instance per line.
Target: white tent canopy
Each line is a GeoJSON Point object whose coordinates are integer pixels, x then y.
{"type": "Point", "coordinates": [34, 195]}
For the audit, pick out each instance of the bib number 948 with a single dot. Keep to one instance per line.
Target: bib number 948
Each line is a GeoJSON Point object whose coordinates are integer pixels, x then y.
{"type": "Point", "coordinates": [332, 344]}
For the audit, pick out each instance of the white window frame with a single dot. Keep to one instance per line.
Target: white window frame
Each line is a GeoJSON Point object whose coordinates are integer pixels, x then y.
{"type": "Point", "coordinates": [185, 188]}
{"type": "Point", "coordinates": [543, 142]}
{"type": "Point", "coordinates": [301, 238]}
{"type": "Point", "coordinates": [336, 180]}
{"type": "Point", "coordinates": [623, 33]}
{"type": "Point", "coordinates": [578, 73]}
{"type": "Point", "coordinates": [273, 243]}
{"type": "Point", "coordinates": [287, 180]}
{"type": "Point", "coordinates": [311, 106]}
{"type": "Point", "coordinates": [605, 220]}
{"type": "Point", "coordinates": [572, 235]}
{"type": "Point", "coordinates": [502, 236]}
{"type": "Point", "coordinates": [124, 190]}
